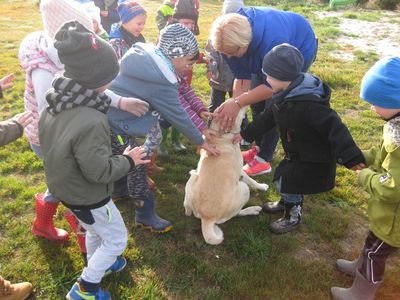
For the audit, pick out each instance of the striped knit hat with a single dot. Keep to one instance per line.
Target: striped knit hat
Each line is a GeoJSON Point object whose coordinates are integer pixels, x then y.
{"type": "Point", "coordinates": [56, 12]}
{"type": "Point", "coordinates": [177, 41]}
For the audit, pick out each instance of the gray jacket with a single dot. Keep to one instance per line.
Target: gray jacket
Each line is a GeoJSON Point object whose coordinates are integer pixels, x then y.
{"type": "Point", "coordinates": [10, 130]}
{"type": "Point", "coordinates": [145, 75]}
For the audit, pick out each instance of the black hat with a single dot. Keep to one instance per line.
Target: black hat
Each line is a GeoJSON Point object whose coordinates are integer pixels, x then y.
{"type": "Point", "coordinates": [188, 9]}
{"type": "Point", "coordinates": [283, 62]}
{"type": "Point", "coordinates": [87, 58]}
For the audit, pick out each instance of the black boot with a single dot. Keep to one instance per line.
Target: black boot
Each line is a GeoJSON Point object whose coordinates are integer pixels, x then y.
{"type": "Point", "coordinates": [273, 207]}
{"type": "Point", "coordinates": [290, 220]}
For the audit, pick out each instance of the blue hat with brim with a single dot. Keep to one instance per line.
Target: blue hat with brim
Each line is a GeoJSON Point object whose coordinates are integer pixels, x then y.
{"type": "Point", "coordinates": [381, 84]}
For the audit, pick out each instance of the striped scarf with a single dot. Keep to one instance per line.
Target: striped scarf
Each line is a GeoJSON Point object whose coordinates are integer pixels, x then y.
{"type": "Point", "coordinates": [67, 93]}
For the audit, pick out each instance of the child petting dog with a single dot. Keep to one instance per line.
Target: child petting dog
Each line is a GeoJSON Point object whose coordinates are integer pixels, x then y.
{"type": "Point", "coordinates": [313, 136]}
{"type": "Point", "coordinates": [381, 88]}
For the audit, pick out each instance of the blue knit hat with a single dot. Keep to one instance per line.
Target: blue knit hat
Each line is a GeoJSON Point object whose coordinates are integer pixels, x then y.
{"type": "Point", "coordinates": [128, 9]}
{"type": "Point", "coordinates": [381, 84]}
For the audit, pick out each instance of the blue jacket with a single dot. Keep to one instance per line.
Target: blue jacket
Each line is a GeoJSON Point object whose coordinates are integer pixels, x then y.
{"type": "Point", "coordinates": [271, 27]}
{"type": "Point", "coordinates": [147, 76]}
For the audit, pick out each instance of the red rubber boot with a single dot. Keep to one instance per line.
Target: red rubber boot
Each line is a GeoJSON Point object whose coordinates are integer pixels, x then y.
{"type": "Point", "coordinates": [78, 229]}
{"type": "Point", "coordinates": [43, 224]}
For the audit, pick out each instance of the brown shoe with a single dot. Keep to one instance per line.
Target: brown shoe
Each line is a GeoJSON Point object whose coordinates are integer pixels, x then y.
{"type": "Point", "coordinates": [18, 291]}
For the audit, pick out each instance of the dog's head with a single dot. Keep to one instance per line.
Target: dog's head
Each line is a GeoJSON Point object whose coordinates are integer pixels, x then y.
{"type": "Point", "coordinates": [216, 124]}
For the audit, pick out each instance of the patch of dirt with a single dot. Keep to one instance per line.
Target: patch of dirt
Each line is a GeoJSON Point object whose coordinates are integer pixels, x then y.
{"type": "Point", "coordinates": [381, 37]}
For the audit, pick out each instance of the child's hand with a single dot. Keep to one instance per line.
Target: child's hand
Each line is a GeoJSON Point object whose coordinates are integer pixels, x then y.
{"type": "Point", "coordinates": [358, 167]}
{"type": "Point", "coordinates": [208, 134]}
{"type": "Point", "coordinates": [104, 13]}
{"type": "Point", "coordinates": [210, 148]}
{"type": "Point", "coordinates": [24, 119]}
{"type": "Point", "coordinates": [6, 82]}
{"type": "Point", "coordinates": [236, 138]}
{"type": "Point", "coordinates": [135, 106]}
{"type": "Point", "coordinates": [206, 114]}
{"type": "Point", "coordinates": [137, 154]}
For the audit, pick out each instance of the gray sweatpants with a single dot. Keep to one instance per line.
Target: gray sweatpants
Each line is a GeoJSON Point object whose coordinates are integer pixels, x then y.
{"type": "Point", "coordinates": [106, 239]}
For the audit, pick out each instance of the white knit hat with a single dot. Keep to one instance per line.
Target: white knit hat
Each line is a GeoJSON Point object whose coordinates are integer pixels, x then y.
{"type": "Point", "coordinates": [231, 6]}
{"type": "Point", "coordinates": [56, 12]}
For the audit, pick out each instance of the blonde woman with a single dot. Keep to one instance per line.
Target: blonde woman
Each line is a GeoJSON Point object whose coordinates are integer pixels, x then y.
{"type": "Point", "coordinates": [244, 38]}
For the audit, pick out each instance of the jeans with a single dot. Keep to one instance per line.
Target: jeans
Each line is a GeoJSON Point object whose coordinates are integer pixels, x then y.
{"type": "Point", "coordinates": [288, 198]}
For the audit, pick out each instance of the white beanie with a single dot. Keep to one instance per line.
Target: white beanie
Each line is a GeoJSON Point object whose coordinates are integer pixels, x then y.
{"type": "Point", "coordinates": [92, 10]}
{"type": "Point", "coordinates": [232, 6]}
{"type": "Point", "coordinates": [56, 12]}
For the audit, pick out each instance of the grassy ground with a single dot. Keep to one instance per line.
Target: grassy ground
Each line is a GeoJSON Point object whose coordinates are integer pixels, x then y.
{"type": "Point", "coordinates": [251, 263]}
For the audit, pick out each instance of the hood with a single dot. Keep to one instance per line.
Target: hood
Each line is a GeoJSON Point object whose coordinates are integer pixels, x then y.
{"type": "Point", "coordinates": [310, 85]}
{"type": "Point", "coordinates": [141, 63]}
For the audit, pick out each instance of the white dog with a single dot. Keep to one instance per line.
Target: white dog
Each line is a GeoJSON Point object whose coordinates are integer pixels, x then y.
{"type": "Point", "coordinates": [218, 189]}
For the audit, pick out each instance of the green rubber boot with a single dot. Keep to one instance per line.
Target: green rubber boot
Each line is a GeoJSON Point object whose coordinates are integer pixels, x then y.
{"type": "Point", "coordinates": [162, 149]}
{"type": "Point", "coordinates": [176, 143]}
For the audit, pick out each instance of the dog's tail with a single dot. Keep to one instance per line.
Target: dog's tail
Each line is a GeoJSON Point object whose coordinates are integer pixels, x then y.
{"type": "Point", "coordinates": [212, 234]}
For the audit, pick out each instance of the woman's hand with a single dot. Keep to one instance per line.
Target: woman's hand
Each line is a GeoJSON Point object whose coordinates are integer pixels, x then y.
{"type": "Point", "coordinates": [210, 148]}
{"type": "Point", "coordinates": [227, 113]}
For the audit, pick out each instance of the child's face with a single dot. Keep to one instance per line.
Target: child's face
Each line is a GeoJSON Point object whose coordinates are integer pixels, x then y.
{"type": "Point", "coordinates": [183, 64]}
{"type": "Point", "coordinates": [277, 85]}
{"type": "Point", "coordinates": [136, 25]}
{"type": "Point", "coordinates": [189, 23]}
{"type": "Point", "coordinates": [385, 113]}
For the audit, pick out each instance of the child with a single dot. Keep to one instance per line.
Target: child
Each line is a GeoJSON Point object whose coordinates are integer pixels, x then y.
{"type": "Point", "coordinates": [165, 13]}
{"type": "Point", "coordinates": [133, 19]}
{"type": "Point", "coordinates": [313, 136]}
{"type": "Point", "coordinates": [108, 13]}
{"type": "Point", "coordinates": [381, 88]}
{"type": "Point", "coordinates": [150, 72]}
{"type": "Point", "coordinates": [75, 142]}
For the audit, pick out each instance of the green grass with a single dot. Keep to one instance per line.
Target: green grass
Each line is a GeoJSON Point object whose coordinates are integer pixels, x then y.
{"type": "Point", "coordinates": [250, 263]}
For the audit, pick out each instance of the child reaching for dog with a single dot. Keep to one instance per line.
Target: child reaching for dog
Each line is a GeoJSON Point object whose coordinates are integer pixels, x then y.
{"type": "Point", "coordinates": [75, 141]}
{"type": "Point", "coordinates": [313, 136]}
{"type": "Point", "coordinates": [381, 88]}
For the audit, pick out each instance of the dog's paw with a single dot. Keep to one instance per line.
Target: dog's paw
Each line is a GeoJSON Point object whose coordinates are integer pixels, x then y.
{"type": "Point", "coordinates": [263, 187]}
{"type": "Point", "coordinates": [188, 211]}
{"type": "Point", "coordinates": [250, 211]}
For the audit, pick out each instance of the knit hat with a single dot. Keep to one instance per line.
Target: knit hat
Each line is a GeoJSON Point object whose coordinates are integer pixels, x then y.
{"type": "Point", "coordinates": [88, 59]}
{"type": "Point", "coordinates": [380, 86]}
{"type": "Point", "coordinates": [56, 12]}
{"type": "Point", "coordinates": [128, 9]}
{"type": "Point", "coordinates": [231, 6]}
{"type": "Point", "coordinates": [283, 62]}
{"type": "Point", "coordinates": [188, 9]}
{"type": "Point", "coordinates": [177, 41]}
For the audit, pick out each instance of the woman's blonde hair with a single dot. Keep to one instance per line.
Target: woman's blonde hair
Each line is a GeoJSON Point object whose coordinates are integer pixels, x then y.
{"type": "Point", "coordinates": [230, 32]}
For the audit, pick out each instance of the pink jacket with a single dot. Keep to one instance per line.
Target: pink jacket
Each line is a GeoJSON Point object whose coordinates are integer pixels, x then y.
{"type": "Point", "coordinates": [33, 55]}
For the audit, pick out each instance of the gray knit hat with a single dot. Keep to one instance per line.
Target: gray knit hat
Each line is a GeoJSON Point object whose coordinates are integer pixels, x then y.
{"type": "Point", "coordinates": [283, 62]}
{"type": "Point", "coordinates": [188, 9]}
{"type": "Point", "coordinates": [177, 41]}
{"type": "Point", "coordinates": [88, 59]}
{"type": "Point", "coordinates": [232, 6]}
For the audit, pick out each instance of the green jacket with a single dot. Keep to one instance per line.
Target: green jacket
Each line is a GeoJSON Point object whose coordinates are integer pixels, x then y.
{"type": "Point", "coordinates": [164, 14]}
{"type": "Point", "coordinates": [79, 165]}
{"type": "Point", "coordinates": [10, 130]}
{"type": "Point", "coordinates": [383, 184]}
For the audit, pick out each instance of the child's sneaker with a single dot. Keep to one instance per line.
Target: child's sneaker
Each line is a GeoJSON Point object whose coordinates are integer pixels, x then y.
{"type": "Point", "coordinates": [250, 154]}
{"type": "Point", "coordinates": [117, 266]}
{"type": "Point", "coordinates": [254, 167]}
{"type": "Point", "coordinates": [76, 293]}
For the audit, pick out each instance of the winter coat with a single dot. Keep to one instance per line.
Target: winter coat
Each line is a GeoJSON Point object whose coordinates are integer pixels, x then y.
{"type": "Point", "coordinates": [313, 137]}
{"type": "Point", "coordinates": [221, 75]}
{"type": "Point", "coordinates": [10, 130]}
{"type": "Point", "coordinates": [121, 40]}
{"type": "Point", "coordinates": [383, 184]}
{"type": "Point", "coordinates": [111, 7]}
{"type": "Point", "coordinates": [146, 75]}
{"type": "Point", "coordinates": [271, 27]}
{"type": "Point", "coordinates": [79, 165]}
{"type": "Point", "coordinates": [34, 54]}
{"type": "Point", "coordinates": [164, 14]}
